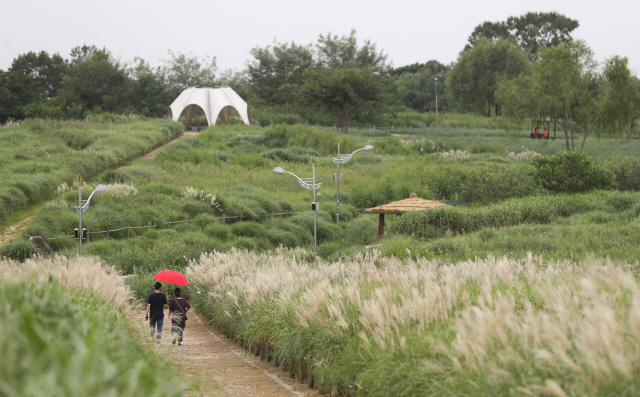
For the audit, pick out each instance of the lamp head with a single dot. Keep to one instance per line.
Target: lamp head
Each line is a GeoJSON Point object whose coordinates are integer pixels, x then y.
{"type": "Point", "coordinates": [368, 147]}
{"type": "Point", "coordinates": [100, 188]}
{"type": "Point", "coordinates": [279, 170]}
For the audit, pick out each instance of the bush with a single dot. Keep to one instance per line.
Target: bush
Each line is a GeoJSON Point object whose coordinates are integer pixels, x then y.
{"type": "Point", "coordinates": [217, 231]}
{"type": "Point", "coordinates": [626, 170]}
{"type": "Point", "coordinates": [571, 172]}
{"type": "Point", "coordinates": [489, 183]}
{"type": "Point", "coordinates": [20, 250]}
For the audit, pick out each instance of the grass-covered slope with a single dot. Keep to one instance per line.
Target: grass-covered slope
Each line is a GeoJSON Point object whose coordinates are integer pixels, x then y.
{"type": "Point", "coordinates": [39, 158]}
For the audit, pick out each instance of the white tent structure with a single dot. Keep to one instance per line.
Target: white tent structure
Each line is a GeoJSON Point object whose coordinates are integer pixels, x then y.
{"type": "Point", "coordinates": [213, 101]}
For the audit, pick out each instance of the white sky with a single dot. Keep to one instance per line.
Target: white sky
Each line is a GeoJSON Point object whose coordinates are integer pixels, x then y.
{"type": "Point", "coordinates": [408, 30]}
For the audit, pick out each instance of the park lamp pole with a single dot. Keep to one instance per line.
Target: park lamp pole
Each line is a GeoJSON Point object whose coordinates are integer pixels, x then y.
{"type": "Point", "coordinates": [338, 176]}
{"type": "Point", "coordinates": [82, 208]}
{"type": "Point", "coordinates": [437, 129]}
{"type": "Point", "coordinates": [307, 183]}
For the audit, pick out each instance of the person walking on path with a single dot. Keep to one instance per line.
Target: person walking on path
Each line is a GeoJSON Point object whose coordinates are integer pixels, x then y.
{"type": "Point", "coordinates": [155, 311]}
{"type": "Point", "coordinates": [178, 309]}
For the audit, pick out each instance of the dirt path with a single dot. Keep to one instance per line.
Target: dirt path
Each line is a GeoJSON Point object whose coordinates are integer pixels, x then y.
{"type": "Point", "coordinates": [152, 154]}
{"type": "Point", "coordinates": [14, 231]}
{"type": "Point", "coordinates": [221, 368]}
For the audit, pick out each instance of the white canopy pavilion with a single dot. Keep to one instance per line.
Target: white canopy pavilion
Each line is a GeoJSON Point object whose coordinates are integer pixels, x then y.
{"type": "Point", "coordinates": [213, 101]}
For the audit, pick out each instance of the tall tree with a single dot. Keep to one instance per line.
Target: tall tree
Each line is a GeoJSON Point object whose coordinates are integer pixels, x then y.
{"type": "Point", "coordinates": [147, 90]}
{"type": "Point", "coordinates": [474, 78]}
{"type": "Point", "coordinates": [49, 70]}
{"type": "Point", "coordinates": [531, 31]}
{"type": "Point", "coordinates": [95, 81]}
{"type": "Point", "coordinates": [276, 72]}
{"type": "Point", "coordinates": [624, 106]}
{"type": "Point", "coordinates": [183, 71]}
{"type": "Point", "coordinates": [416, 86]}
{"type": "Point", "coordinates": [345, 92]}
{"type": "Point", "coordinates": [565, 84]}
{"type": "Point", "coordinates": [344, 52]}
{"type": "Point", "coordinates": [16, 91]}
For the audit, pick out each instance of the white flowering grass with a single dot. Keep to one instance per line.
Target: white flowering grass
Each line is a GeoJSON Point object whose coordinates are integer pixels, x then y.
{"type": "Point", "coordinates": [488, 326]}
{"type": "Point", "coordinates": [456, 155]}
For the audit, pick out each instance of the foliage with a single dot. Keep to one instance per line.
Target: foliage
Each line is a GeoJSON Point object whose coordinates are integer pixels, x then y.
{"type": "Point", "coordinates": [473, 80]}
{"type": "Point", "coordinates": [183, 71]}
{"type": "Point", "coordinates": [276, 72]}
{"type": "Point", "coordinates": [571, 172]}
{"type": "Point", "coordinates": [96, 81]}
{"type": "Point", "coordinates": [531, 31]}
{"type": "Point", "coordinates": [626, 170]}
{"type": "Point", "coordinates": [19, 250]}
{"type": "Point", "coordinates": [416, 86]}
{"type": "Point", "coordinates": [345, 93]}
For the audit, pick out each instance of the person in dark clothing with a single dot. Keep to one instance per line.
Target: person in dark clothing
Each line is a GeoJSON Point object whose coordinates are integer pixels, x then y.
{"type": "Point", "coordinates": [155, 311]}
{"type": "Point", "coordinates": [178, 309]}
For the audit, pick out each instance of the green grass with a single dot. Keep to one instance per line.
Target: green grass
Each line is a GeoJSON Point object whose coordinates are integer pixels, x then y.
{"type": "Point", "coordinates": [40, 158]}
{"type": "Point", "coordinates": [55, 342]}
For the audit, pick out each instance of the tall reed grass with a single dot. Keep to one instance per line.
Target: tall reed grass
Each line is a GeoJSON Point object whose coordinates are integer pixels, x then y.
{"type": "Point", "coordinates": [380, 326]}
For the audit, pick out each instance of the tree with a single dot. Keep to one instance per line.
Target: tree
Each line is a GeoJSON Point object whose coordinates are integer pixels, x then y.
{"type": "Point", "coordinates": [565, 84]}
{"type": "Point", "coordinates": [183, 71]}
{"type": "Point", "coordinates": [344, 52]}
{"type": "Point", "coordinates": [276, 72]}
{"type": "Point", "coordinates": [147, 89]}
{"type": "Point", "coordinates": [416, 86]}
{"type": "Point", "coordinates": [16, 91]}
{"type": "Point", "coordinates": [624, 105]}
{"type": "Point", "coordinates": [474, 78]}
{"type": "Point", "coordinates": [49, 70]}
{"type": "Point", "coordinates": [95, 81]}
{"type": "Point", "coordinates": [531, 31]}
{"type": "Point", "coordinates": [345, 92]}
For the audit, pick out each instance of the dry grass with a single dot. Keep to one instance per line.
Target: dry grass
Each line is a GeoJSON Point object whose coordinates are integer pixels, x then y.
{"type": "Point", "coordinates": [76, 274]}
{"type": "Point", "coordinates": [529, 326]}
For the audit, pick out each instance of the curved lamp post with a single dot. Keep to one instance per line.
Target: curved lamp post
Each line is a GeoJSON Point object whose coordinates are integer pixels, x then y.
{"type": "Point", "coordinates": [338, 176]}
{"type": "Point", "coordinates": [307, 183]}
{"type": "Point", "coordinates": [82, 208]}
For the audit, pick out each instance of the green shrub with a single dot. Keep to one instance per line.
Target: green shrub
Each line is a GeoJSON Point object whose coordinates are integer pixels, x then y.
{"type": "Point", "coordinates": [218, 231]}
{"type": "Point", "coordinates": [248, 229]}
{"type": "Point", "coordinates": [626, 170]}
{"type": "Point", "coordinates": [62, 243]}
{"type": "Point", "coordinates": [490, 183]}
{"type": "Point", "coordinates": [571, 172]}
{"type": "Point", "coordinates": [19, 250]}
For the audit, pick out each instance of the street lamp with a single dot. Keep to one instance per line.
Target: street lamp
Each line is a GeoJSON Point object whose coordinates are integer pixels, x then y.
{"type": "Point", "coordinates": [82, 208]}
{"type": "Point", "coordinates": [338, 176]}
{"type": "Point", "coordinates": [307, 183]}
{"type": "Point", "coordinates": [437, 130]}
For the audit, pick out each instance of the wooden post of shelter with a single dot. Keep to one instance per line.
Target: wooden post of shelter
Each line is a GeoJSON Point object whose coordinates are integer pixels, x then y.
{"type": "Point", "coordinates": [380, 226]}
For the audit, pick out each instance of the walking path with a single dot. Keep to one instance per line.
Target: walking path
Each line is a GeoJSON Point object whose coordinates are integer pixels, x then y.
{"type": "Point", "coordinates": [220, 367]}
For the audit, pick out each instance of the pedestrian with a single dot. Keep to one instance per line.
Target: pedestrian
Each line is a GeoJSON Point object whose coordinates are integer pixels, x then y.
{"type": "Point", "coordinates": [178, 309]}
{"type": "Point", "coordinates": [155, 311]}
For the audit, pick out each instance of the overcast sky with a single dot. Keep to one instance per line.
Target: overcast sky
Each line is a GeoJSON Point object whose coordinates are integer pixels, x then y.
{"type": "Point", "coordinates": [408, 30]}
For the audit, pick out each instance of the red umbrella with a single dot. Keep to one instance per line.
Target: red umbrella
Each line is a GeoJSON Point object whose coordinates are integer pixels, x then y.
{"type": "Point", "coordinates": [171, 277]}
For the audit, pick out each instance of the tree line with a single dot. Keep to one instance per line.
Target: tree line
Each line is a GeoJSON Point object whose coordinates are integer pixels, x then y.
{"type": "Point", "coordinates": [526, 67]}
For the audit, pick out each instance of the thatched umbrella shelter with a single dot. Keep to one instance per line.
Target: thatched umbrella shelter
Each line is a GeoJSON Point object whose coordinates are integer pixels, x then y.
{"type": "Point", "coordinates": [413, 203]}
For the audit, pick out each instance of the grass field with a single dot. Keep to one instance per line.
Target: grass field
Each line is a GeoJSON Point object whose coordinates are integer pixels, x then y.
{"type": "Point", "coordinates": [39, 159]}
{"type": "Point", "coordinates": [376, 326]}
{"type": "Point", "coordinates": [359, 326]}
